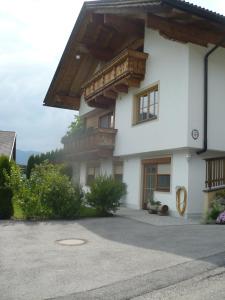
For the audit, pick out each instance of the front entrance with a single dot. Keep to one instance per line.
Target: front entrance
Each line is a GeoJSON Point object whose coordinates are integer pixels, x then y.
{"type": "Point", "coordinates": [149, 183]}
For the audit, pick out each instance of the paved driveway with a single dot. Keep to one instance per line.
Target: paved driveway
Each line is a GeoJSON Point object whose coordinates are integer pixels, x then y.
{"type": "Point", "coordinates": [122, 258]}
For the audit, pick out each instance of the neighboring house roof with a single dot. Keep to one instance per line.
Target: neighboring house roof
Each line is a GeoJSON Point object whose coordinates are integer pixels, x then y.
{"type": "Point", "coordinates": [99, 33]}
{"type": "Point", "coordinates": [7, 143]}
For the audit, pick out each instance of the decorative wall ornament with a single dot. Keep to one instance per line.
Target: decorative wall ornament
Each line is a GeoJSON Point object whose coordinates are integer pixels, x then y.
{"type": "Point", "coordinates": [195, 134]}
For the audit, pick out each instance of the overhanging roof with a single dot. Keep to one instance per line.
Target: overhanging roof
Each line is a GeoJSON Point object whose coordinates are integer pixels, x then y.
{"type": "Point", "coordinates": [98, 36]}
{"type": "Point", "coordinates": [7, 143]}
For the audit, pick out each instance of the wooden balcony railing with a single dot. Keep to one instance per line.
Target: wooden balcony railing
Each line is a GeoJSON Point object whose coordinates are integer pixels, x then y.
{"type": "Point", "coordinates": [93, 143]}
{"type": "Point", "coordinates": [215, 173]}
{"type": "Point", "coordinates": [124, 71]}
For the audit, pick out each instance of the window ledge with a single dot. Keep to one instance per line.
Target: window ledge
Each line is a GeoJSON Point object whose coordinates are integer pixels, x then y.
{"type": "Point", "coordinates": [145, 121]}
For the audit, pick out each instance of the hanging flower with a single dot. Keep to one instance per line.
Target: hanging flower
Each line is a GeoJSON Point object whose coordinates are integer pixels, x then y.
{"type": "Point", "coordinates": [221, 218]}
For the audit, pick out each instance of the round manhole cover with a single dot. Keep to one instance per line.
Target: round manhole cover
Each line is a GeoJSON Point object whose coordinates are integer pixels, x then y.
{"type": "Point", "coordinates": [71, 242]}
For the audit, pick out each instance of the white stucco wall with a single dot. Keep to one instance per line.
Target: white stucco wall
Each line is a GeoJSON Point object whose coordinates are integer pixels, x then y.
{"type": "Point", "coordinates": [84, 108]}
{"type": "Point", "coordinates": [168, 65]}
{"type": "Point", "coordinates": [83, 173]}
{"type": "Point", "coordinates": [216, 97]}
{"type": "Point", "coordinates": [196, 184]}
{"type": "Point", "coordinates": [132, 177]}
{"type": "Point", "coordinates": [195, 96]}
{"type": "Point", "coordinates": [216, 108]}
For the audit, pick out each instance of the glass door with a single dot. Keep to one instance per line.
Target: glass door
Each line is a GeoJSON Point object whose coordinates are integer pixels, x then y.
{"type": "Point", "coordinates": [149, 183]}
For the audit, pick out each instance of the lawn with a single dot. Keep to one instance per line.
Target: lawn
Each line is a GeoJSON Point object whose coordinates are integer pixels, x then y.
{"type": "Point", "coordinates": [85, 212]}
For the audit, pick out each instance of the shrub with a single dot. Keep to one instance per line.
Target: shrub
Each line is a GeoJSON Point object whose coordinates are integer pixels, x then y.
{"type": "Point", "coordinates": [6, 207]}
{"type": "Point", "coordinates": [4, 169]}
{"type": "Point", "coordinates": [214, 211]}
{"type": "Point", "coordinates": [105, 194]}
{"type": "Point", "coordinates": [47, 194]}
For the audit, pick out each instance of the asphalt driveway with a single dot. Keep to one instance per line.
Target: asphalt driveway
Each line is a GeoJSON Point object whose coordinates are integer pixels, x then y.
{"type": "Point", "coordinates": [123, 258]}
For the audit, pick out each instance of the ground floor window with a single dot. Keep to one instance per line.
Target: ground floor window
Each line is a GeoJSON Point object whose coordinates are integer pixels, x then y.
{"type": "Point", "coordinates": [118, 170]}
{"type": "Point", "coordinates": [93, 170]}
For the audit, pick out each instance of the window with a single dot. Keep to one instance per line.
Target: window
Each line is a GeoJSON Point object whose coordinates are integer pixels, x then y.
{"type": "Point", "coordinates": [146, 105]}
{"type": "Point", "coordinates": [163, 177]}
{"type": "Point", "coordinates": [163, 182]}
{"type": "Point", "coordinates": [118, 171]}
{"type": "Point", "coordinates": [106, 121]}
{"type": "Point", "coordinates": [92, 172]}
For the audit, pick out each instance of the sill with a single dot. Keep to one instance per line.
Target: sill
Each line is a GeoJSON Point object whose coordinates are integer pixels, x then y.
{"type": "Point", "coordinates": [163, 190]}
{"type": "Point", "coordinates": [144, 121]}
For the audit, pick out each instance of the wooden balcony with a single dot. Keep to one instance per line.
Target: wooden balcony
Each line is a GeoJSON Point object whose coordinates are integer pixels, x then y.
{"type": "Point", "coordinates": [124, 71]}
{"type": "Point", "coordinates": [215, 173]}
{"type": "Point", "coordinates": [93, 143]}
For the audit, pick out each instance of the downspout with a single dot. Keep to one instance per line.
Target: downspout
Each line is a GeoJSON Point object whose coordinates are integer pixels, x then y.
{"type": "Point", "coordinates": [206, 58]}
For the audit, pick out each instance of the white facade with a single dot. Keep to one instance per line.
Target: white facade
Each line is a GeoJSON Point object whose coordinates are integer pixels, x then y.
{"type": "Point", "coordinates": [178, 70]}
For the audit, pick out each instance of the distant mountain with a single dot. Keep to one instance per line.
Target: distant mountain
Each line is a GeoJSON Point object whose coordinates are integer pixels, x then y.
{"type": "Point", "coordinates": [23, 156]}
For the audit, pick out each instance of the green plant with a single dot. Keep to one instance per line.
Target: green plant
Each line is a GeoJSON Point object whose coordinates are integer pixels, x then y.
{"type": "Point", "coordinates": [214, 211]}
{"type": "Point", "coordinates": [220, 194]}
{"type": "Point", "coordinates": [46, 194]}
{"type": "Point", "coordinates": [6, 206]}
{"type": "Point", "coordinates": [105, 194]}
{"type": "Point", "coordinates": [154, 203]}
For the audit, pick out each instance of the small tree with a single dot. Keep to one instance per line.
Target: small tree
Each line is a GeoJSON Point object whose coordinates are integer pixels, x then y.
{"type": "Point", "coordinates": [6, 206]}
{"type": "Point", "coordinates": [105, 194]}
{"type": "Point", "coordinates": [30, 165]}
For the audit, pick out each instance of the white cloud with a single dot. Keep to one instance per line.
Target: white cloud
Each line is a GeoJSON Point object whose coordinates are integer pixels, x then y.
{"type": "Point", "coordinates": [33, 34]}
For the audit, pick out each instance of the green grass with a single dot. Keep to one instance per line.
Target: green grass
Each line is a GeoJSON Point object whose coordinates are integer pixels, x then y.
{"type": "Point", "coordinates": [18, 214]}
{"type": "Point", "coordinates": [88, 212]}
{"type": "Point", "coordinates": [85, 212]}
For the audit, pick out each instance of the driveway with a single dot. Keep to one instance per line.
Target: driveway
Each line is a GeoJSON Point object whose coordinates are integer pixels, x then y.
{"type": "Point", "coordinates": [123, 258]}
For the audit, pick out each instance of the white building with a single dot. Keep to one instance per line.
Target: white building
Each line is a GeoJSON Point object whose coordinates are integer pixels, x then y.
{"type": "Point", "coordinates": [153, 108]}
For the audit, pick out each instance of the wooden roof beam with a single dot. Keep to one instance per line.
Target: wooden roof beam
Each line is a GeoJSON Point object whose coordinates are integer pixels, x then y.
{"type": "Point", "coordinates": [73, 102]}
{"type": "Point", "coordinates": [124, 25]}
{"type": "Point", "coordinates": [183, 32]}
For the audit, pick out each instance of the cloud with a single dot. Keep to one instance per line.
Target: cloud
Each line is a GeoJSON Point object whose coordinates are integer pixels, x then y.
{"type": "Point", "coordinates": [33, 34]}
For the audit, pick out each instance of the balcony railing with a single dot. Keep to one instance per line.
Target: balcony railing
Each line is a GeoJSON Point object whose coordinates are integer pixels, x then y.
{"type": "Point", "coordinates": [215, 173]}
{"type": "Point", "coordinates": [124, 71]}
{"type": "Point", "coordinates": [93, 143]}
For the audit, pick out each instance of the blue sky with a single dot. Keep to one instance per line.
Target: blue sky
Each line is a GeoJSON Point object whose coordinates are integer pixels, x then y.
{"type": "Point", "coordinates": [33, 34]}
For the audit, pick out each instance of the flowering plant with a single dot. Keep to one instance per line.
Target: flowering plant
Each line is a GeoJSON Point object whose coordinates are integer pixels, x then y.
{"type": "Point", "coordinates": [221, 218]}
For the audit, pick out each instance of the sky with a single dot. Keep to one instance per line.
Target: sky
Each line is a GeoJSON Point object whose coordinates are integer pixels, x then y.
{"type": "Point", "coordinates": [33, 35]}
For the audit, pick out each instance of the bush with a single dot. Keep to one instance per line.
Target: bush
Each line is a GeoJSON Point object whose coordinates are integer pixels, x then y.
{"type": "Point", "coordinates": [214, 211]}
{"type": "Point", "coordinates": [47, 194]}
{"type": "Point", "coordinates": [105, 194]}
{"type": "Point", "coordinates": [6, 207]}
{"type": "Point", "coordinates": [4, 169]}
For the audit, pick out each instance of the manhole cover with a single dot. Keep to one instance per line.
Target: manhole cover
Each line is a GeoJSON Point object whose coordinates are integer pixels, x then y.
{"type": "Point", "coordinates": [71, 242]}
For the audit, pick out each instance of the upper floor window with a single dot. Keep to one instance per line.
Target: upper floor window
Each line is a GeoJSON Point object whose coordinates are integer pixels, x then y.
{"type": "Point", "coordinates": [106, 121]}
{"type": "Point", "coordinates": [146, 105]}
